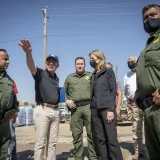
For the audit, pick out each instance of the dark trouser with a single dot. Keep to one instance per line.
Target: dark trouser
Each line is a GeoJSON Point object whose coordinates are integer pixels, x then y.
{"type": "Point", "coordinates": [13, 152]}
{"type": "Point", "coordinates": [152, 131]}
{"type": "Point", "coordinates": [12, 146]}
{"type": "Point", "coordinates": [5, 137]}
{"type": "Point", "coordinates": [4, 155]}
{"type": "Point", "coordinates": [105, 136]}
{"type": "Point", "coordinates": [82, 117]}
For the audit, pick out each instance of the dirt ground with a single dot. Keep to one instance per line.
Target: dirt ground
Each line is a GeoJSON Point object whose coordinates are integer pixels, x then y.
{"type": "Point", "coordinates": [26, 136]}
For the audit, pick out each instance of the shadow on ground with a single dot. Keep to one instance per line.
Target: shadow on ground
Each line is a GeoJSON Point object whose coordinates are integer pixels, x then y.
{"type": "Point", "coordinates": [69, 155]}
{"type": "Point", "coordinates": [27, 152]}
{"type": "Point", "coordinates": [25, 155]}
{"type": "Point", "coordinates": [127, 146]}
{"type": "Point", "coordinates": [125, 123]}
{"type": "Point", "coordinates": [65, 151]}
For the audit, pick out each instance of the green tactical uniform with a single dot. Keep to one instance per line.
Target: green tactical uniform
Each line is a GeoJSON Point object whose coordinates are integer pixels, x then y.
{"type": "Point", "coordinates": [78, 90]}
{"type": "Point", "coordinates": [148, 80]}
{"type": "Point", "coordinates": [8, 104]}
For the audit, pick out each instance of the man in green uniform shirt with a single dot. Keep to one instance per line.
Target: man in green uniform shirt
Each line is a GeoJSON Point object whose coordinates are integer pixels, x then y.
{"type": "Point", "coordinates": [78, 101]}
{"type": "Point", "coordinates": [8, 105]}
{"type": "Point", "coordinates": [148, 80]}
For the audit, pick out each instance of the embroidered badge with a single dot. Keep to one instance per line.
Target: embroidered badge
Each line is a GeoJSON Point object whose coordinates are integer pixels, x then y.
{"type": "Point", "coordinates": [87, 77]}
{"type": "Point", "coordinates": [156, 40]}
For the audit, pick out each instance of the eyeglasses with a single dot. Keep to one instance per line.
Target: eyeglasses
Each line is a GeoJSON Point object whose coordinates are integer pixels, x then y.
{"type": "Point", "coordinates": [130, 62]}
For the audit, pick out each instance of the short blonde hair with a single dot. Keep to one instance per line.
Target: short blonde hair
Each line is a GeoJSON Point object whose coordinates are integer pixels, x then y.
{"type": "Point", "coordinates": [100, 55]}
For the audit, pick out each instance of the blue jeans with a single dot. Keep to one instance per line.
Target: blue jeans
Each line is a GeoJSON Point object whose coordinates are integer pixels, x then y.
{"type": "Point", "coordinates": [13, 152]}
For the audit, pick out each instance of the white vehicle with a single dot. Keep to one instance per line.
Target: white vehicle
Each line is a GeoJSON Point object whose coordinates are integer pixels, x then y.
{"type": "Point", "coordinates": [64, 113]}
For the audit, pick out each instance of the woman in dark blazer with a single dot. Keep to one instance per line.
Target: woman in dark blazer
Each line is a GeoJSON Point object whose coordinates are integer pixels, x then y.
{"type": "Point", "coordinates": [103, 98]}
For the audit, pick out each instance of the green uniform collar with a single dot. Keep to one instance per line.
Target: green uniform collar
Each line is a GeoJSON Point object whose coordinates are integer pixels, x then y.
{"type": "Point", "coordinates": [76, 75]}
{"type": "Point", "coordinates": [3, 73]}
{"type": "Point", "coordinates": [153, 37]}
{"type": "Point", "coordinates": [157, 33]}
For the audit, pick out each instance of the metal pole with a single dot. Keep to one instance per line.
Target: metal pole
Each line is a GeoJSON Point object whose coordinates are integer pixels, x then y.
{"type": "Point", "coordinates": [45, 36]}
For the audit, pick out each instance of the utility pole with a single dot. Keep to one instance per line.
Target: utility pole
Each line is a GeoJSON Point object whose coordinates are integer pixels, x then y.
{"type": "Point", "coordinates": [45, 35]}
{"type": "Point", "coordinates": [116, 71]}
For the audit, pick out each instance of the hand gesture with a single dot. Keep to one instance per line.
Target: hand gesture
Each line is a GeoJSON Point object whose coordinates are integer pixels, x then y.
{"type": "Point", "coordinates": [71, 104]}
{"type": "Point", "coordinates": [13, 117]}
{"type": "Point", "coordinates": [110, 116]}
{"type": "Point", "coordinates": [25, 44]}
{"type": "Point", "coordinates": [156, 97]}
{"type": "Point", "coordinates": [129, 106]}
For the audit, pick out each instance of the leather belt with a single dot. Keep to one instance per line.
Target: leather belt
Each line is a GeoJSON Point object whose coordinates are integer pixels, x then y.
{"type": "Point", "coordinates": [48, 105]}
{"type": "Point", "coordinates": [82, 103]}
{"type": "Point", "coordinates": [144, 102]}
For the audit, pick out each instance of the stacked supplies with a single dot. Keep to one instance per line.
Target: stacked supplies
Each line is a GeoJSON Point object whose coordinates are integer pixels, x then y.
{"type": "Point", "coordinates": [21, 119]}
{"type": "Point", "coordinates": [29, 115]}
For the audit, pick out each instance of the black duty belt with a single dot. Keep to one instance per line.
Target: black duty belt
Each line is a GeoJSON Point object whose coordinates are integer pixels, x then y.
{"type": "Point", "coordinates": [1, 113]}
{"type": "Point", "coordinates": [131, 102]}
{"type": "Point", "coordinates": [82, 103]}
{"type": "Point", "coordinates": [144, 102]}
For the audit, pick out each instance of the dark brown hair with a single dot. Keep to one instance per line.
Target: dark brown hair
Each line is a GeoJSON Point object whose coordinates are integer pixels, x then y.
{"type": "Point", "coordinates": [80, 58]}
{"type": "Point", "coordinates": [3, 50]}
{"type": "Point", "coordinates": [150, 6]}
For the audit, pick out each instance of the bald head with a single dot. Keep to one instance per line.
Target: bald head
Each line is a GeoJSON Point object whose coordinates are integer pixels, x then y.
{"type": "Point", "coordinates": [4, 59]}
{"type": "Point", "coordinates": [109, 65]}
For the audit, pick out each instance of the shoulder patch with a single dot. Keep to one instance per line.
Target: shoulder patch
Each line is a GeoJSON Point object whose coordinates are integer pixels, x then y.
{"type": "Point", "coordinates": [87, 77]}
{"type": "Point", "coordinates": [156, 40]}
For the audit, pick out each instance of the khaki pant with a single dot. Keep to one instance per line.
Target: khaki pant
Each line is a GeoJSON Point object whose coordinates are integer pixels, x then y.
{"type": "Point", "coordinates": [46, 122]}
{"type": "Point", "coordinates": [137, 129]}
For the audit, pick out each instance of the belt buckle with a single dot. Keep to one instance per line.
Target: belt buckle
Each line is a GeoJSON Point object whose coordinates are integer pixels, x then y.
{"type": "Point", "coordinates": [78, 104]}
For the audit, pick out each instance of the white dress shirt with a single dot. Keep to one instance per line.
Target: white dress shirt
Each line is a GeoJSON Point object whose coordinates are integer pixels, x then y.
{"type": "Point", "coordinates": [130, 85]}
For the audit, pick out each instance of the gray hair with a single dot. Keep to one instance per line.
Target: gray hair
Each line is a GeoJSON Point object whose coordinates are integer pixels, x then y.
{"type": "Point", "coordinates": [133, 57]}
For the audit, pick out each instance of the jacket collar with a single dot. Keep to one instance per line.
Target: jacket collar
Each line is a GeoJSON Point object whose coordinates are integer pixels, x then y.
{"type": "Point", "coordinates": [55, 75]}
{"type": "Point", "coordinates": [100, 72]}
{"type": "Point", "coordinates": [2, 73]}
{"type": "Point", "coordinates": [150, 40]}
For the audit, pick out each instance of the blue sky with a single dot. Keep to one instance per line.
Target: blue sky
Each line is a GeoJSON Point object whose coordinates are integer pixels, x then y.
{"type": "Point", "coordinates": [115, 27]}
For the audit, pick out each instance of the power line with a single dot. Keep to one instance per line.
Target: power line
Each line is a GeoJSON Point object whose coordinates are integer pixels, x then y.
{"type": "Point", "coordinates": [84, 34]}
{"type": "Point", "coordinates": [97, 5]}
{"type": "Point", "coordinates": [101, 6]}
{"type": "Point", "coordinates": [76, 15]}
{"type": "Point", "coordinates": [18, 39]}
{"type": "Point", "coordinates": [63, 35]}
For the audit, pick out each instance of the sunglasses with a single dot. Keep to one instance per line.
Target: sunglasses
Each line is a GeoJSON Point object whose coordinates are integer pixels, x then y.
{"type": "Point", "coordinates": [131, 62]}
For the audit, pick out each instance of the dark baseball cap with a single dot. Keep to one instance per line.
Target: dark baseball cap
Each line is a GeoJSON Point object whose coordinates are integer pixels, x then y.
{"type": "Point", "coordinates": [54, 57]}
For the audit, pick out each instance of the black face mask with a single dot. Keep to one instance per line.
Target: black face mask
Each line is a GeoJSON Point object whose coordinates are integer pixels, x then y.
{"type": "Point", "coordinates": [131, 65]}
{"type": "Point", "coordinates": [93, 63]}
{"type": "Point", "coordinates": [152, 25]}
